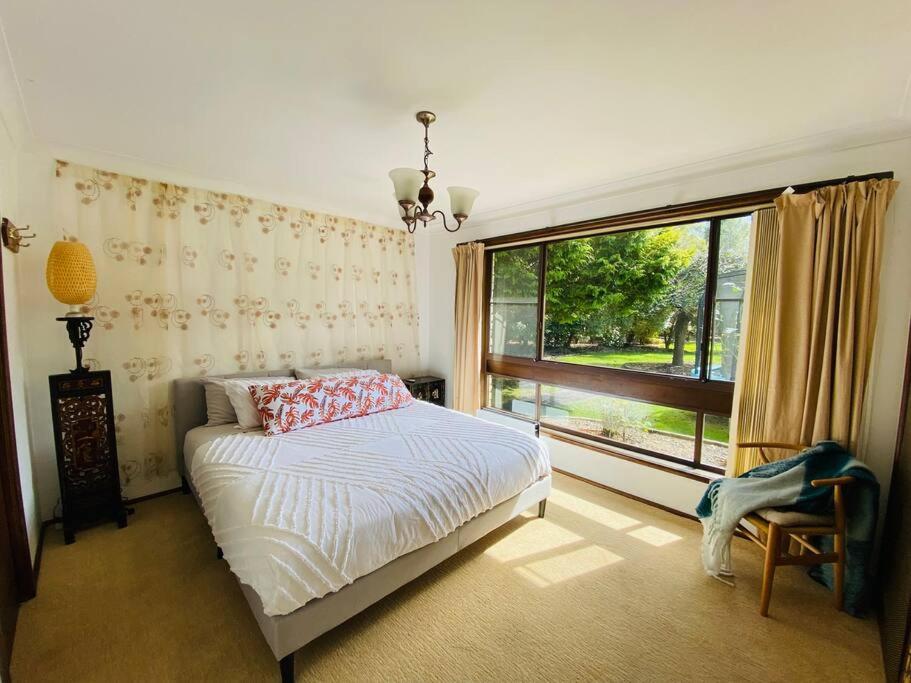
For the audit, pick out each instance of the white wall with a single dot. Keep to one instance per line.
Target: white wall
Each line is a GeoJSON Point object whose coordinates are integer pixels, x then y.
{"type": "Point", "coordinates": [806, 161]}
{"type": "Point", "coordinates": [9, 207]}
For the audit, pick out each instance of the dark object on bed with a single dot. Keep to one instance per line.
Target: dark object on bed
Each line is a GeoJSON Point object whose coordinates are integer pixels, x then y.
{"type": "Point", "coordinates": [82, 408]}
{"type": "Point", "coordinates": [427, 388]}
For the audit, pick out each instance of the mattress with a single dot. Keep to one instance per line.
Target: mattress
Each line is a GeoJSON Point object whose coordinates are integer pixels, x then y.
{"type": "Point", "coordinates": [303, 514]}
{"type": "Point", "coordinates": [198, 436]}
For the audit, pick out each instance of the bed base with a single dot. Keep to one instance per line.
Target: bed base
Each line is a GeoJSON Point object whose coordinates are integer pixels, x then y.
{"type": "Point", "coordinates": [288, 633]}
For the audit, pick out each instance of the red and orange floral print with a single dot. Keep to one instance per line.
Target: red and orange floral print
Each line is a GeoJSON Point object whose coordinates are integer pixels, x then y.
{"type": "Point", "coordinates": [290, 406]}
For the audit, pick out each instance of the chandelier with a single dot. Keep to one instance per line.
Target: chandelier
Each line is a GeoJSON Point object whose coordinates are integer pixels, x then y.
{"type": "Point", "coordinates": [413, 193]}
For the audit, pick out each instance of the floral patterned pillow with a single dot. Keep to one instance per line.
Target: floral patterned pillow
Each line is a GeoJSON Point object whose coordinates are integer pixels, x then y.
{"type": "Point", "coordinates": [296, 405]}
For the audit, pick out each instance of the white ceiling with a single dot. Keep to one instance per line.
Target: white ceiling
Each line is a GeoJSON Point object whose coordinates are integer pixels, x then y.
{"type": "Point", "coordinates": [316, 100]}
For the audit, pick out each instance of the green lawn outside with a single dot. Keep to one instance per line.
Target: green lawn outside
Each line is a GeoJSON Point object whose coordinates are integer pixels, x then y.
{"type": "Point", "coordinates": [616, 358]}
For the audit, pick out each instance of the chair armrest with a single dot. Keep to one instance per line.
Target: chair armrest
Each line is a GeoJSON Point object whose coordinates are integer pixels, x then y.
{"type": "Point", "coordinates": [834, 481]}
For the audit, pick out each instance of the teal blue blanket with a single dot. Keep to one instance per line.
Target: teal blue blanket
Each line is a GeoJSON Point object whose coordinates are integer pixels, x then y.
{"type": "Point", "coordinates": [785, 484]}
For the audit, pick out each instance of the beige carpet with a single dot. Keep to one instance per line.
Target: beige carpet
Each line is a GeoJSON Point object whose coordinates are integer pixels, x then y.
{"type": "Point", "coordinates": [604, 588]}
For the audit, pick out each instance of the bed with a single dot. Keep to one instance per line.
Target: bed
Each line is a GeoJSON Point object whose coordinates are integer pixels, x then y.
{"type": "Point", "coordinates": [320, 523]}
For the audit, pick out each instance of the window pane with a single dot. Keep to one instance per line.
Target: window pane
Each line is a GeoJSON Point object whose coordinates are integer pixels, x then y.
{"type": "Point", "coordinates": [514, 302]}
{"type": "Point", "coordinates": [715, 439]}
{"type": "Point", "coordinates": [512, 395]}
{"type": "Point", "coordinates": [733, 247]}
{"type": "Point", "coordinates": [629, 300]}
{"type": "Point", "coordinates": [646, 426]}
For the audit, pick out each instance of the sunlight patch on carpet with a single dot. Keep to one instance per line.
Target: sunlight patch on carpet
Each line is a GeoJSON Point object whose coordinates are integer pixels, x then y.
{"type": "Point", "coordinates": [653, 535]}
{"type": "Point", "coordinates": [593, 511]}
{"type": "Point", "coordinates": [569, 565]}
{"type": "Point", "coordinates": [534, 538]}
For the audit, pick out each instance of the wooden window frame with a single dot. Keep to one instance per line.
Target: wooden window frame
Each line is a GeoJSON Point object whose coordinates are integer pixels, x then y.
{"type": "Point", "coordinates": [700, 395]}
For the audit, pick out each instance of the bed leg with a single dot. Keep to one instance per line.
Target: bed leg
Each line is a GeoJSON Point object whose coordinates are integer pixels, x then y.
{"type": "Point", "coordinates": [219, 553]}
{"type": "Point", "coordinates": [184, 486]}
{"type": "Point", "coordinates": [286, 666]}
{"type": "Point", "coordinates": [542, 505]}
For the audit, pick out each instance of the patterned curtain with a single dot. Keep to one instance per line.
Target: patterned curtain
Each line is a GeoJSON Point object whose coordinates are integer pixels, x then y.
{"type": "Point", "coordinates": [194, 282]}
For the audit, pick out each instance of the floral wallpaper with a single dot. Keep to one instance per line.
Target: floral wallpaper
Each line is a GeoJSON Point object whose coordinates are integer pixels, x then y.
{"type": "Point", "coordinates": [193, 282]}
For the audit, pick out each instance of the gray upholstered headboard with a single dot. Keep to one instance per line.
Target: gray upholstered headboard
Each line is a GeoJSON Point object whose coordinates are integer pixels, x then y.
{"type": "Point", "coordinates": [188, 398]}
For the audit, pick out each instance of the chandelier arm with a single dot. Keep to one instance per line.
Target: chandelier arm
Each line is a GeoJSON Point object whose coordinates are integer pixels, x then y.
{"type": "Point", "coordinates": [445, 225]}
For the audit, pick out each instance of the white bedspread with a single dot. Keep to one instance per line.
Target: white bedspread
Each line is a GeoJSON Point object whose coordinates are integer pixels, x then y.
{"type": "Point", "coordinates": [306, 513]}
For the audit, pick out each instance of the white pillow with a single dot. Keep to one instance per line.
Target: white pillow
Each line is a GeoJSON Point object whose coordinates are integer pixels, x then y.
{"type": "Point", "coordinates": [310, 373]}
{"type": "Point", "coordinates": [238, 391]}
{"type": "Point", "coordinates": [218, 408]}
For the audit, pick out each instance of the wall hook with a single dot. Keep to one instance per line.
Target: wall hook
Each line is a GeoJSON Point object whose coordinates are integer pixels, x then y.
{"type": "Point", "coordinates": [13, 237]}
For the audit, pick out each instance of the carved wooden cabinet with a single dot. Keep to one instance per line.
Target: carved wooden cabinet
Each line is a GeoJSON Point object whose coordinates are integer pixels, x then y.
{"type": "Point", "coordinates": [83, 414]}
{"type": "Point", "coordinates": [430, 389]}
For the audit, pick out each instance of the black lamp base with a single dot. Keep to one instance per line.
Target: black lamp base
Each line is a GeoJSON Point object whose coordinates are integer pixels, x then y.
{"type": "Point", "coordinates": [78, 327]}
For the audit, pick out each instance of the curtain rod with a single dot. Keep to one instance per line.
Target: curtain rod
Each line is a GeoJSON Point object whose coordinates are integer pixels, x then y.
{"type": "Point", "coordinates": [673, 211]}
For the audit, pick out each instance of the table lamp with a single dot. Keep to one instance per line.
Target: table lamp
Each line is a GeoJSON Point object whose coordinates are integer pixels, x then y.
{"type": "Point", "coordinates": [71, 279]}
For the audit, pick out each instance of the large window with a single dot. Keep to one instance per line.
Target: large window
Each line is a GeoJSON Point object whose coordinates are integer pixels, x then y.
{"type": "Point", "coordinates": [627, 337]}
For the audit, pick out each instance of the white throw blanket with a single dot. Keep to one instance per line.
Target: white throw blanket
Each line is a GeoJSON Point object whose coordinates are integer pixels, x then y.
{"type": "Point", "coordinates": [731, 500]}
{"type": "Point", "coordinates": [303, 514]}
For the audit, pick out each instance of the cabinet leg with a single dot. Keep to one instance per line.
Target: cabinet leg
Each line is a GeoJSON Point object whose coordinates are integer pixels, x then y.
{"type": "Point", "coordinates": [286, 666]}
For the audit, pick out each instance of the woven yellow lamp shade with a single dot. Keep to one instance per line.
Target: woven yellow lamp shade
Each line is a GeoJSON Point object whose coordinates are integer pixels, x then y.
{"type": "Point", "coordinates": [71, 274]}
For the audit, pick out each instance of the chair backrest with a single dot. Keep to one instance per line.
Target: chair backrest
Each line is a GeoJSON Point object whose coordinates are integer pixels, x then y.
{"type": "Point", "coordinates": [764, 446]}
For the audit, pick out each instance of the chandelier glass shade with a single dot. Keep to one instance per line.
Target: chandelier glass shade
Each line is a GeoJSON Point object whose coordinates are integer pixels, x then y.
{"type": "Point", "coordinates": [414, 194]}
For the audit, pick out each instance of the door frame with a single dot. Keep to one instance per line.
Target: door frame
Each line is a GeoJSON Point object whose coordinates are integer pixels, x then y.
{"type": "Point", "coordinates": [888, 614]}
{"type": "Point", "coordinates": [10, 482]}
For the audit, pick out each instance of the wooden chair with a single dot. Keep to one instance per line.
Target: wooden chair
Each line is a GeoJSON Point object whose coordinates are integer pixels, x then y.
{"type": "Point", "coordinates": [781, 526]}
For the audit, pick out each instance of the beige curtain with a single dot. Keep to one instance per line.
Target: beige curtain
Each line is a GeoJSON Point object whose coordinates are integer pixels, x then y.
{"type": "Point", "coordinates": [195, 282]}
{"type": "Point", "coordinates": [748, 418]}
{"type": "Point", "coordinates": [469, 314]}
{"type": "Point", "coordinates": [825, 309]}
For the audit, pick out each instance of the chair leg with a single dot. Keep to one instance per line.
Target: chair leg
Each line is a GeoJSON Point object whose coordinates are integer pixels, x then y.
{"type": "Point", "coordinates": [773, 543]}
{"type": "Point", "coordinates": [840, 571]}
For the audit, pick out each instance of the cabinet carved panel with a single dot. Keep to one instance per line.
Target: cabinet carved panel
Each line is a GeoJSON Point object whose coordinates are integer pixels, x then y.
{"type": "Point", "coordinates": [86, 453]}
{"type": "Point", "coordinates": [82, 411]}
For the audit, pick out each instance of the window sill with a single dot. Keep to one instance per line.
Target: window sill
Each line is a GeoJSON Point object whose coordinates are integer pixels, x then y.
{"type": "Point", "coordinates": [631, 456]}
